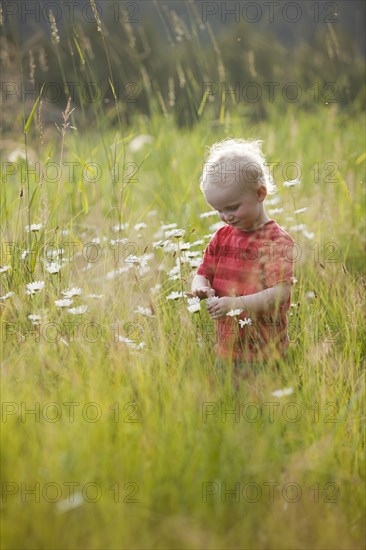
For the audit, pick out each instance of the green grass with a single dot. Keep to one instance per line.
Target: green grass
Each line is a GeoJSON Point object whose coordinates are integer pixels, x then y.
{"type": "Point", "coordinates": [170, 453]}
{"type": "Point", "coordinates": [152, 442]}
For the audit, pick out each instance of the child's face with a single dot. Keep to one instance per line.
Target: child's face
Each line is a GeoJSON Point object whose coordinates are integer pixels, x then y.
{"type": "Point", "coordinates": [241, 208]}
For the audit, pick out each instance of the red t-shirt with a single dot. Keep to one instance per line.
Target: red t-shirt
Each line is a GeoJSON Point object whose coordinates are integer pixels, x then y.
{"type": "Point", "coordinates": [238, 263]}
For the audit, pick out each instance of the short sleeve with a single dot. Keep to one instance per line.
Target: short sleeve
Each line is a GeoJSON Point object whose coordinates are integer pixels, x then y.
{"type": "Point", "coordinates": [278, 261]}
{"type": "Point", "coordinates": [210, 258]}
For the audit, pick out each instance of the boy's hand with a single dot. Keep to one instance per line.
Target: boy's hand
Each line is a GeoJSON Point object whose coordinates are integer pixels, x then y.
{"type": "Point", "coordinates": [201, 293]}
{"type": "Point", "coordinates": [221, 306]}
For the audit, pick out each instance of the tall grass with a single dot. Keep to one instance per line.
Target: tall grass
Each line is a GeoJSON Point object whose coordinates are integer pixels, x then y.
{"type": "Point", "coordinates": [159, 459]}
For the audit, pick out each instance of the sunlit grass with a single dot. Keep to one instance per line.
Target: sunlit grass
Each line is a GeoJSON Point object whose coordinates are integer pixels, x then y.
{"type": "Point", "coordinates": [130, 402]}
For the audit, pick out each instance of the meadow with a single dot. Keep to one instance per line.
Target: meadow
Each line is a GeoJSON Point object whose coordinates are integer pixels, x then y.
{"type": "Point", "coordinates": [116, 432]}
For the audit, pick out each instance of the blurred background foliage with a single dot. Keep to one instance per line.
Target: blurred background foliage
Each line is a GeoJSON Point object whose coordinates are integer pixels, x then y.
{"type": "Point", "coordinates": [170, 54]}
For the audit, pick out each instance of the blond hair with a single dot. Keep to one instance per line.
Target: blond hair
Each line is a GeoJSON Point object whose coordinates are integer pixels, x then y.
{"type": "Point", "coordinates": [237, 161]}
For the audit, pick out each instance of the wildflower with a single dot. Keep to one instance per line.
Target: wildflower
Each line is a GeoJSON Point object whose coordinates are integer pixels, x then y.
{"type": "Point", "coordinates": [176, 233]}
{"type": "Point", "coordinates": [299, 227]}
{"type": "Point", "coordinates": [78, 310]}
{"type": "Point", "coordinates": [96, 296]}
{"type": "Point", "coordinates": [69, 293]}
{"type": "Point", "coordinates": [53, 267]}
{"type": "Point", "coordinates": [283, 392]}
{"type": "Point", "coordinates": [234, 312]}
{"type": "Point", "coordinates": [7, 295]}
{"type": "Point", "coordinates": [196, 243]}
{"type": "Point", "coordinates": [112, 274]}
{"type": "Point", "coordinates": [66, 302]}
{"type": "Point", "coordinates": [246, 321]}
{"type": "Point", "coordinates": [131, 343]}
{"type": "Point", "coordinates": [116, 241]}
{"type": "Point", "coordinates": [208, 214]}
{"type": "Point", "coordinates": [69, 504]}
{"type": "Point", "coordinates": [310, 294]}
{"type": "Point", "coordinates": [24, 254]}
{"type": "Point", "coordinates": [120, 227]}
{"type": "Point", "coordinates": [274, 211]}
{"type": "Point", "coordinates": [301, 210]}
{"type": "Point", "coordinates": [272, 202]}
{"type": "Point", "coordinates": [144, 311]}
{"type": "Point", "coordinates": [217, 226]}
{"type": "Point", "coordinates": [308, 234]}
{"type": "Point", "coordinates": [291, 183]}
{"type": "Point", "coordinates": [139, 226]}
{"type": "Point", "coordinates": [5, 268]}
{"type": "Point", "coordinates": [155, 288]}
{"type": "Point", "coordinates": [35, 319]}
{"type": "Point", "coordinates": [34, 227]}
{"type": "Point", "coordinates": [138, 142]}
{"type": "Point", "coordinates": [175, 295]}
{"type": "Point", "coordinates": [169, 226]}
{"type": "Point", "coordinates": [194, 304]}
{"type": "Point", "coordinates": [195, 262]}
{"type": "Point", "coordinates": [55, 253]}
{"type": "Point", "coordinates": [16, 154]}
{"type": "Point", "coordinates": [32, 288]}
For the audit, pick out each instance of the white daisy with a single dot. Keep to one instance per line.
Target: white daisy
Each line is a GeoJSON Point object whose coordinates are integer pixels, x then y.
{"type": "Point", "coordinates": [144, 311]}
{"type": "Point", "coordinates": [274, 211]}
{"type": "Point", "coordinates": [300, 210]}
{"type": "Point", "coordinates": [138, 142]}
{"type": "Point", "coordinates": [176, 233]}
{"type": "Point", "coordinates": [34, 287]}
{"type": "Point", "coordinates": [310, 294]}
{"type": "Point", "coordinates": [24, 254]}
{"type": "Point", "coordinates": [194, 304]}
{"type": "Point", "coordinates": [70, 504]}
{"type": "Point", "coordinates": [34, 227]}
{"type": "Point", "coordinates": [175, 295]}
{"type": "Point", "coordinates": [95, 296]}
{"type": "Point", "coordinates": [168, 226]}
{"type": "Point", "coordinates": [246, 321]}
{"type": "Point", "coordinates": [36, 319]}
{"type": "Point", "coordinates": [139, 226]}
{"type": "Point", "coordinates": [66, 302]}
{"type": "Point", "coordinates": [5, 268]}
{"type": "Point", "coordinates": [120, 227]}
{"type": "Point", "coordinates": [116, 241]}
{"type": "Point", "coordinates": [7, 295]}
{"type": "Point", "coordinates": [155, 288]}
{"type": "Point", "coordinates": [234, 312]}
{"type": "Point", "coordinates": [283, 392]}
{"type": "Point", "coordinates": [78, 310]}
{"type": "Point", "coordinates": [70, 292]}
{"type": "Point", "coordinates": [272, 202]}
{"type": "Point", "coordinates": [53, 267]}
{"type": "Point", "coordinates": [196, 243]}
{"type": "Point", "coordinates": [131, 343]}
{"type": "Point", "coordinates": [208, 214]}
{"type": "Point", "coordinates": [299, 227]}
{"type": "Point", "coordinates": [291, 183]}
{"type": "Point", "coordinates": [216, 226]}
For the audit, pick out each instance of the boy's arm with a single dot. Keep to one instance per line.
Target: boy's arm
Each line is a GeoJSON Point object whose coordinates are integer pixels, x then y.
{"type": "Point", "coordinates": [266, 300]}
{"type": "Point", "coordinates": [200, 287]}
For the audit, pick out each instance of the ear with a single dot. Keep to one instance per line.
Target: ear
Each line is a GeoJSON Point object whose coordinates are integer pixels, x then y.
{"type": "Point", "coordinates": [261, 193]}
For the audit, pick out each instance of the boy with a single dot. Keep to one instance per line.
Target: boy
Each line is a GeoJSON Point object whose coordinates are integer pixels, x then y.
{"type": "Point", "coordinates": [248, 264]}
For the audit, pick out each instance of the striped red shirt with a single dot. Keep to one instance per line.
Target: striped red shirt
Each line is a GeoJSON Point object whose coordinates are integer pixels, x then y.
{"type": "Point", "coordinates": [239, 263]}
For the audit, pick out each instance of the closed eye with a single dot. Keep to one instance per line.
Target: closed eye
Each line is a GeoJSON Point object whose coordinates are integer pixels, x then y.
{"type": "Point", "coordinates": [229, 208]}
